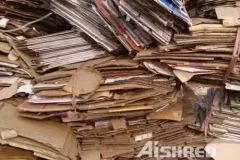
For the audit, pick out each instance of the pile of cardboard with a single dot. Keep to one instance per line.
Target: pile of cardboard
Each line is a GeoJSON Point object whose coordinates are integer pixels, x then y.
{"type": "Point", "coordinates": [133, 23]}
{"type": "Point", "coordinates": [118, 132]}
{"type": "Point", "coordinates": [208, 54]}
{"type": "Point", "coordinates": [81, 94]}
{"type": "Point", "coordinates": [55, 50]}
{"type": "Point", "coordinates": [49, 139]}
{"type": "Point", "coordinates": [216, 43]}
{"type": "Point", "coordinates": [113, 104]}
{"type": "Point", "coordinates": [225, 116]}
{"type": "Point", "coordinates": [105, 100]}
{"type": "Point", "coordinates": [21, 20]}
{"type": "Point", "coordinates": [15, 73]}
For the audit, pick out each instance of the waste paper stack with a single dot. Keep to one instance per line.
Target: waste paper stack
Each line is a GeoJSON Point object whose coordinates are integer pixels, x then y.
{"type": "Point", "coordinates": [55, 50]}
{"type": "Point", "coordinates": [21, 20]}
{"type": "Point", "coordinates": [206, 54]}
{"type": "Point", "coordinates": [98, 79]}
{"type": "Point", "coordinates": [49, 139]}
{"type": "Point", "coordinates": [104, 98]}
{"type": "Point", "coordinates": [134, 23]}
{"type": "Point", "coordinates": [225, 116]}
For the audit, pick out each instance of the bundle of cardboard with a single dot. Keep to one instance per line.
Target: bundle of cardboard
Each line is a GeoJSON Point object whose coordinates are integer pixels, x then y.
{"type": "Point", "coordinates": [113, 104]}
{"type": "Point", "coordinates": [101, 87]}
{"type": "Point", "coordinates": [133, 23]}
{"type": "Point", "coordinates": [208, 54]}
{"type": "Point", "coordinates": [55, 50]}
{"type": "Point", "coordinates": [121, 132]}
{"type": "Point", "coordinates": [224, 123]}
{"type": "Point", "coordinates": [49, 139]}
{"type": "Point", "coordinates": [21, 20]}
{"type": "Point", "coordinates": [15, 75]}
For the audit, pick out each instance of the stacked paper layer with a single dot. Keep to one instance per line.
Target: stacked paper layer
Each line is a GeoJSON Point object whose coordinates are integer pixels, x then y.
{"type": "Point", "coordinates": [225, 116]}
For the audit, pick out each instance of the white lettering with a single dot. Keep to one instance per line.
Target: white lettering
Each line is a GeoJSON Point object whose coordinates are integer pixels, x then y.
{"type": "Point", "coordinates": [146, 150]}
{"type": "Point", "coordinates": [165, 152]}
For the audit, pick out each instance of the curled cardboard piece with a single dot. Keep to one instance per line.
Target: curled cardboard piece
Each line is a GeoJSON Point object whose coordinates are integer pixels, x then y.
{"type": "Point", "coordinates": [84, 81]}
{"type": "Point", "coordinates": [183, 76]}
{"type": "Point", "coordinates": [8, 92]}
{"type": "Point", "coordinates": [12, 56]}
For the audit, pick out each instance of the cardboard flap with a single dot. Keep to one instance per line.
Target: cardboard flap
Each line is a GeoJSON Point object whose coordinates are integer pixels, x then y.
{"type": "Point", "coordinates": [183, 76]}
{"type": "Point", "coordinates": [84, 81]}
{"type": "Point", "coordinates": [8, 92]}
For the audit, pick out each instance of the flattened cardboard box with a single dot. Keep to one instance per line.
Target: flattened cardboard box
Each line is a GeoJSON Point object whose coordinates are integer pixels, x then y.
{"type": "Point", "coordinates": [50, 133]}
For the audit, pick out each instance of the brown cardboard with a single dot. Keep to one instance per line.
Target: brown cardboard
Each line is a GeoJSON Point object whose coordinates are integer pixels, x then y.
{"type": "Point", "coordinates": [53, 93]}
{"type": "Point", "coordinates": [40, 116]}
{"type": "Point", "coordinates": [64, 81]}
{"type": "Point", "coordinates": [183, 76]}
{"type": "Point", "coordinates": [7, 134]}
{"type": "Point", "coordinates": [118, 62]}
{"type": "Point", "coordinates": [38, 108]}
{"type": "Point", "coordinates": [84, 81]}
{"type": "Point", "coordinates": [118, 124]}
{"type": "Point", "coordinates": [197, 21]}
{"type": "Point", "coordinates": [8, 63]}
{"type": "Point", "coordinates": [11, 153]}
{"type": "Point", "coordinates": [8, 92]}
{"type": "Point", "coordinates": [13, 56]}
{"type": "Point", "coordinates": [48, 132]}
{"type": "Point", "coordinates": [111, 152]}
{"type": "Point", "coordinates": [123, 109]}
{"type": "Point", "coordinates": [171, 112]}
{"type": "Point", "coordinates": [97, 95]}
{"type": "Point", "coordinates": [117, 72]}
{"type": "Point", "coordinates": [147, 52]}
{"type": "Point", "coordinates": [88, 64]}
{"type": "Point", "coordinates": [225, 149]}
{"type": "Point", "coordinates": [43, 156]}
{"type": "Point", "coordinates": [230, 15]}
{"type": "Point", "coordinates": [5, 47]}
{"type": "Point", "coordinates": [121, 86]}
{"type": "Point", "coordinates": [93, 155]}
{"type": "Point", "coordinates": [54, 75]}
{"type": "Point", "coordinates": [30, 145]}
